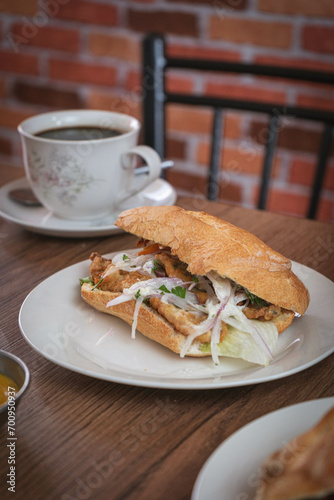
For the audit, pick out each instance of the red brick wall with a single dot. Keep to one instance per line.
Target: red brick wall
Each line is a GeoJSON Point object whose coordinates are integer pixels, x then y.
{"type": "Point", "coordinates": [57, 54]}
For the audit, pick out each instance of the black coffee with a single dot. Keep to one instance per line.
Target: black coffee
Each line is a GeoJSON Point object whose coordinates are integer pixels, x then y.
{"type": "Point", "coordinates": [85, 133]}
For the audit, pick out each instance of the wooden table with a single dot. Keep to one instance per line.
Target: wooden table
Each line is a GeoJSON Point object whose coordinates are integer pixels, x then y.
{"type": "Point", "coordinates": [80, 437]}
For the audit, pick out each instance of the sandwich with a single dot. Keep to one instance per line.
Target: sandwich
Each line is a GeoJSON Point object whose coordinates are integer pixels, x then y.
{"type": "Point", "coordinates": [303, 468]}
{"type": "Point", "coordinates": [197, 285]}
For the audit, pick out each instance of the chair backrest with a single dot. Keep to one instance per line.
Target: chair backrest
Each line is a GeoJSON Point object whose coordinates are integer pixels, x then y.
{"type": "Point", "coordinates": [155, 98]}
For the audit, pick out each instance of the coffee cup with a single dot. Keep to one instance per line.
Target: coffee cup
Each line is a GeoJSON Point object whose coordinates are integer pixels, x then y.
{"type": "Point", "coordinates": [80, 163]}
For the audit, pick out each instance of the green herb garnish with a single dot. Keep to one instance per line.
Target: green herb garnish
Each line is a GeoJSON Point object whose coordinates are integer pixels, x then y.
{"type": "Point", "coordinates": [156, 265]}
{"type": "Point", "coordinates": [194, 279]}
{"type": "Point", "coordinates": [86, 280]}
{"type": "Point", "coordinates": [125, 257]}
{"type": "Point", "coordinates": [179, 291]}
{"type": "Point", "coordinates": [163, 288]}
{"type": "Point", "coordinates": [97, 284]}
{"type": "Point", "coordinates": [254, 298]}
{"type": "Point", "coordinates": [137, 294]}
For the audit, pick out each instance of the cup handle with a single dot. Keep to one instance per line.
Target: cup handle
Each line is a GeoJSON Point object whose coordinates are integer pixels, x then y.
{"type": "Point", "coordinates": [153, 161]}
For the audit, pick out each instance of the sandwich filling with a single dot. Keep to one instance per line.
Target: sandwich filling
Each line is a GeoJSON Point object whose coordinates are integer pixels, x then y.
{"type": "Point", "coordinates": [223, 317]}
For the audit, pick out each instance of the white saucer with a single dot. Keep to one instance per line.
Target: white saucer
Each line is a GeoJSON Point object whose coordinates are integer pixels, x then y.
{"type": "Point", "coordinates": [40, 220]}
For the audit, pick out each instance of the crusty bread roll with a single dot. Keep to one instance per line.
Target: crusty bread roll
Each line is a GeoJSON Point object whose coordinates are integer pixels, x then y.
{"type": "Point", "coordinates": [304, 468]}
{"type": "Point", "coordinates": [154, 326]}
{"type": "Point", "coordinates": [150, 323]}
{"type": "Point", "coordinates": [207, 243]}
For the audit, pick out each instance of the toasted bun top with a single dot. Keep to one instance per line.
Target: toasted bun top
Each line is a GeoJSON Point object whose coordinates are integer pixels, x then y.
{"type": "Point", "coordinates": [207, 243]}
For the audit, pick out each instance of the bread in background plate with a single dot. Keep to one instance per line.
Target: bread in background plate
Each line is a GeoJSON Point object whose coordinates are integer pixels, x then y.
{"type": "Point", "coordinates": [304, 468]}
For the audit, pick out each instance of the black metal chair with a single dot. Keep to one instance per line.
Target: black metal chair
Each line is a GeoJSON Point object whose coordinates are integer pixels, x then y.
{"type": "Point", "coordinates": [155, 98]}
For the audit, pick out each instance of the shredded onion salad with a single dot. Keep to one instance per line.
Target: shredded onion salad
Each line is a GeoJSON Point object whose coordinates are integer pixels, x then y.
{"type": "Point", "coordinates": [247, 339]}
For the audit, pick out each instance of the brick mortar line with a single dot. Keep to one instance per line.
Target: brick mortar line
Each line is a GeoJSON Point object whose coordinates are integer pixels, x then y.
{"type": "Point", "coordinates": [84, 33]}
{"type": "Point", "coordinates": [305, 157]}
{"type": "Point", "coordinates": [302, 124]}
{"type": "Point", "coordinates": [327, 195]}
{"type": "Point", "coordinates": [296, 45]}
{"type": "Point", "coordinates": [123, 72]}
{"type": "Point", "coordinates": [65, 24]}
{"type": "Point", "coordinates": [122, 10]}
{"type": "Point", "coordinates": [86, 58]}
{"type": "Point", "coordinates": [67, 85]}
{"type": "Point", "coordinates": [265, 82]}
{"type": "Point", "coordinates": [91, 59]}
{"type": "Point", "coordinates": [297, 189]}
{"type": "Point", "coordinates": [192, 144]}
{"type": "Point", "coordinates": [284, 166]}
{"type": "Point", "coordinates": [252, 5]}
{"type": "Point", "coordinates": [72, 25]}
{"type": "Point", "coordinates": [287, 18]}
{"type": "Point", "coordinates": [203, 26]}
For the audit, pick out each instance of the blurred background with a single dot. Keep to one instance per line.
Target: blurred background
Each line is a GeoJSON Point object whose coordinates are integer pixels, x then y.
{"type": "Point", "coordinates": [62, 54]}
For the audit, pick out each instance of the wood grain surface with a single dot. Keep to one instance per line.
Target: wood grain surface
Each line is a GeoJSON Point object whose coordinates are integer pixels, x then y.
{"type": "Point", "coordinates": [83, 438]}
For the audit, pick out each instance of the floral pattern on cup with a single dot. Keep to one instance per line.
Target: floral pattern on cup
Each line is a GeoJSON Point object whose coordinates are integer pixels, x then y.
{"type": "Point", "coordinates": [61, 171]}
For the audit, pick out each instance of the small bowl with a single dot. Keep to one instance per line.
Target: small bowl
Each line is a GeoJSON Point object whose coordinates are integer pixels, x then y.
{"type": "Point", "coordinates": [14, 368]}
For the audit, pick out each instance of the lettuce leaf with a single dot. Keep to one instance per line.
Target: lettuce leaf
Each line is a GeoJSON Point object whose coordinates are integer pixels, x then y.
{"type": "Point", "coordinates": [239, 344]}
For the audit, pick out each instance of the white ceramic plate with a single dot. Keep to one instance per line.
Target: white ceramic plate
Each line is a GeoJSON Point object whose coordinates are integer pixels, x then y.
{"type": "Point", "coordinates": [40, 220]}
{"type": "Point", "coordinates": [231, 472]}
{"type": "Point", "coordinates": [63, 328]}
